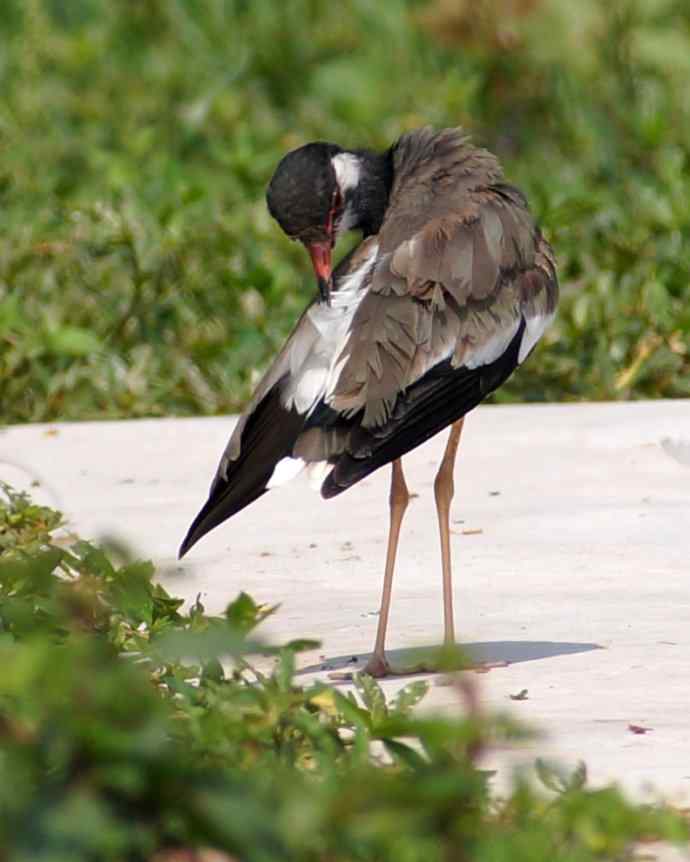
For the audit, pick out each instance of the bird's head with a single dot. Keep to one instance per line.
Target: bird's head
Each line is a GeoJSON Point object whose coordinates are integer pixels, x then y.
{"type": "Point", "coordinates": [312, 197]}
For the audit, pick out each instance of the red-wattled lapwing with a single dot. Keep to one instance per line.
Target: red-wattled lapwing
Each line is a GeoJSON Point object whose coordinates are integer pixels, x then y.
{"type": "Point", "coordinates": [448, 292]}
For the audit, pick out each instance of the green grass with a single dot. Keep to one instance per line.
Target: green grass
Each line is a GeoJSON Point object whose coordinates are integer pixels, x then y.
{"type": "Point", "coordinates": [140, 273]}
{"type": "Point", "coordinates": [122, 736]}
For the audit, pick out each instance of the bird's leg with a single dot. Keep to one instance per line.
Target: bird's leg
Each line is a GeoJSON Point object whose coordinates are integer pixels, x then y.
{"type": "Point", "coordinates": [443, 491]}
{"type": "Point", "coordinates": [398, 499]}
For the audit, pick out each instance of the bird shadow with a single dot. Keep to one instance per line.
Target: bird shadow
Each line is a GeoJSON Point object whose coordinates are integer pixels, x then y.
{"type": "Point", "coordinates": [483, 654]}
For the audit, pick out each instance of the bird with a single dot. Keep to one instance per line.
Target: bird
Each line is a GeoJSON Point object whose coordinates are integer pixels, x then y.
{"type": "Point", "coordinates": [448, 292]}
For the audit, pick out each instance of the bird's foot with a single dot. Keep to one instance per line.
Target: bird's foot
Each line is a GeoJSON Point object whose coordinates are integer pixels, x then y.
{"type": "Point", "coordinates": [378, 666]}
{"type": "Point", "coordinates": [447, 659]}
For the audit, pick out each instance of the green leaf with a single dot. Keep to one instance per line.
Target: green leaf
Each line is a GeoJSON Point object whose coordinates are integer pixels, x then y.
{"type": "Point", "coordinates": [405, 754]}
{"type": "Point", "coordinates": [409, 696]}
{"type": "Point", "coordinates": [351, 712]}
{"type": "Point", "coordinates": [578, 778]}
{"type": "Point", "coordinates": [216, 641]}
{"type": "Point", "coordinates": [551, 775]}
{"type": "Point", "coordinates": [244, 614]}
{"type": "Point", "coordinates": [302, 645]}
{"type": "Point", "coordinates": [285, 670]}
{"type": "Point", "coordinates": [212, 671]}
{"type": "Point", "coordinates": [72, 341]}
{"type": "Point", "coordinates": [372, 696]}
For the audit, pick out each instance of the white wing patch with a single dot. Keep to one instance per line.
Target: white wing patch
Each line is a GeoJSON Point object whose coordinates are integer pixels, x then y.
{"type": "Point", "coordinates": [492, 348]}
{"type": "Point", "coordinates": [499, 342]}
{"type": "Point", "coordinates": [534, 329]}
{"type": "Point", "coordinates": [312, 370]}
{"type": "Point", "coordinates": [288, 468]}
{"type": "Point", "coordinates": [284, 470]}
{"type": "Point", "coordinates": [317, 472]}
{"type": "Point", "coordinates": [307, 390]}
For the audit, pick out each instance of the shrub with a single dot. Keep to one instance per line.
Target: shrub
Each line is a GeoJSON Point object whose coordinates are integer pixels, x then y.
{"type": "Point", "coordinates": [131, 727]}
{"type": "Point", "coordinates": [139, 271]}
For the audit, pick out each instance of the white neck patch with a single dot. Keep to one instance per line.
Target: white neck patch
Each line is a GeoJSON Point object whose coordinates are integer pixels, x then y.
{"type": "Point", "coordinates": [347, 169]}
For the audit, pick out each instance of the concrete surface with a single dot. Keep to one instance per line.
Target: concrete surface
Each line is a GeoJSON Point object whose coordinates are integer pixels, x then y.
{"type": "Point", "coordinates": [571, 546]}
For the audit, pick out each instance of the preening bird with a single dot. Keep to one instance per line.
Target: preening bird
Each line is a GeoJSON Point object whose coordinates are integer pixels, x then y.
{"type": "Point", "coordinates": [448, 292]}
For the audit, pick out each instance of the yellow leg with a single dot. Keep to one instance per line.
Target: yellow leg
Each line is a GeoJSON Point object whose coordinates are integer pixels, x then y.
{"type": "Point", "coordinates": [443, 490]}
{"type": "Point", "coordinates": [399, 499]}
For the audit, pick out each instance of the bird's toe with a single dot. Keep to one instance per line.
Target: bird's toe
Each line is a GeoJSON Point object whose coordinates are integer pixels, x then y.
{"type": "Point", "coordinates": [378, 666]}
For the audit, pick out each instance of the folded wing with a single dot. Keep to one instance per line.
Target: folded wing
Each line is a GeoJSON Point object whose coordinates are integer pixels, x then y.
{"type": "Point", "coordinates": [427, 319]}
{"type": "Point", "coordinates": [454, 306]}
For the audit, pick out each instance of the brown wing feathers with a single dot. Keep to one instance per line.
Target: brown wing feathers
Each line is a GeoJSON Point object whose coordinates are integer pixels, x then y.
{"type": "Point", "coordinates": [442, 324]}
{"type": "Point", "coordinates": [461, 290]}
{"type": "Point", "coordinates": [439, 398]}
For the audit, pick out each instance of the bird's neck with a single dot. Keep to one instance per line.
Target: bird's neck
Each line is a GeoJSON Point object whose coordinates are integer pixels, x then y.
{"type": "Point", "coordinates": [370, 196]}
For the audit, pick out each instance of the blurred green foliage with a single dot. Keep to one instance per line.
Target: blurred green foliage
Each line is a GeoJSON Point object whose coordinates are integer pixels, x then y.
{"type": "Point", "coordinates": [123, 736]}
{"type": "Point", "coordinates": [140, 273]}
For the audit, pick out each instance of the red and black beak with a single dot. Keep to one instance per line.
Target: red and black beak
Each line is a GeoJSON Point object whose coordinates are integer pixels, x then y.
{"type": "Point", "coordinates": [320, 253]}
